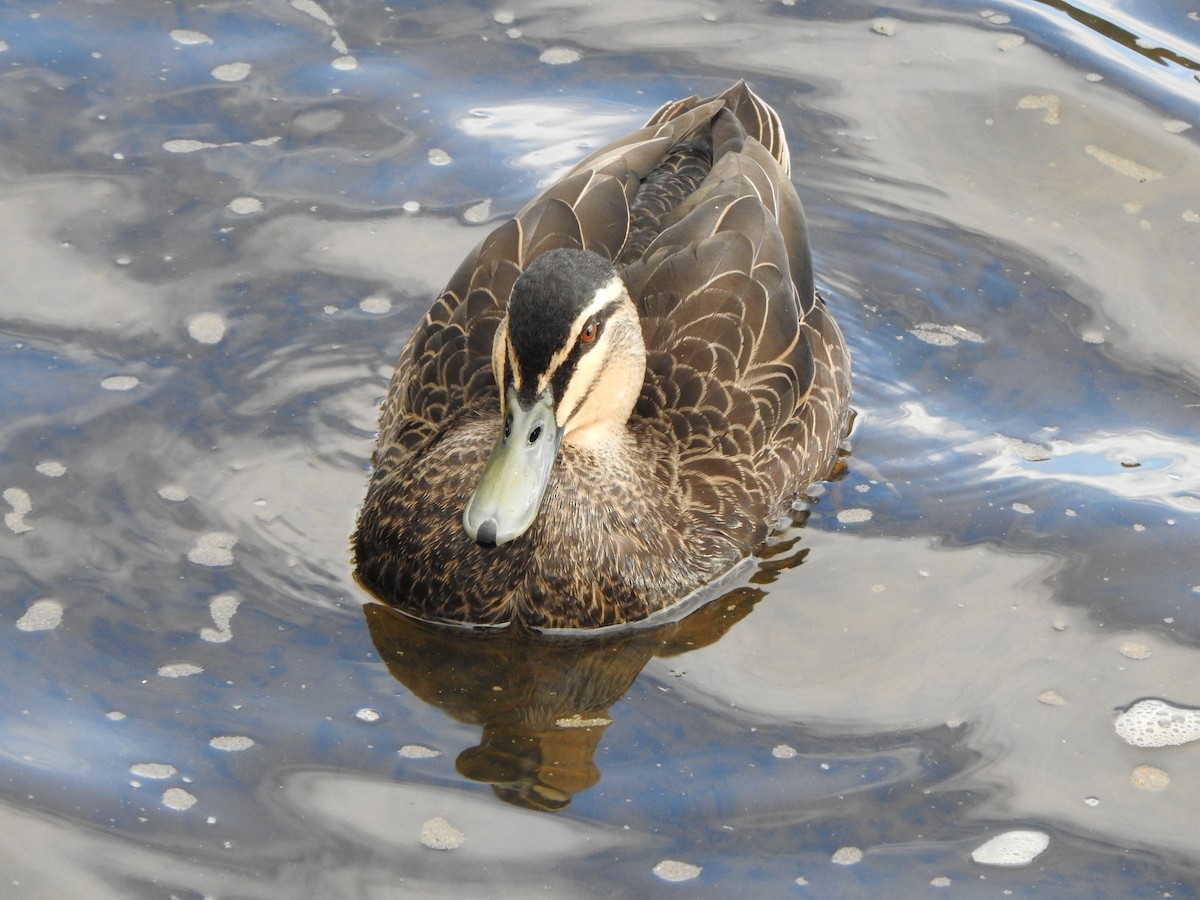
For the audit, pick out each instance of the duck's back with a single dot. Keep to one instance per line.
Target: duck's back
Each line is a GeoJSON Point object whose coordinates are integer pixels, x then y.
{"type": "Point", "coordinates": [743, 404]}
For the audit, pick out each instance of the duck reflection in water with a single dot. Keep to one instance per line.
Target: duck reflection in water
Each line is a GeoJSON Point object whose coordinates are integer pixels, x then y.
{"type": "Point", "coordinates": [541, 699]}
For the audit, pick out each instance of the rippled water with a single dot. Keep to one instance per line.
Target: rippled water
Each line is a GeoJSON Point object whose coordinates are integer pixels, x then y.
{"type": "Point", "coordinates": [209, 269]}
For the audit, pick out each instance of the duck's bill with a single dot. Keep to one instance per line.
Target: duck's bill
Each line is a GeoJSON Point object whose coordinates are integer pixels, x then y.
{"type": "Point", "coordinates": [516, 475]}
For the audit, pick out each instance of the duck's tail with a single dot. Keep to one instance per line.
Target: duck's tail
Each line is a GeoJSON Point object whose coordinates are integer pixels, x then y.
{"type": "Point", "coordinates": [756, 115]}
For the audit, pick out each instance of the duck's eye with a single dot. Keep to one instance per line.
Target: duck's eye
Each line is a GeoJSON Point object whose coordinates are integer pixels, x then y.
{"type": "Point", "coordinates": [590, 332]}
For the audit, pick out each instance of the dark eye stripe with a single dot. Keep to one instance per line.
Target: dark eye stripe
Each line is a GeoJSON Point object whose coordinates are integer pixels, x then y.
{"type": "Point", "coordinates": [567, 370]}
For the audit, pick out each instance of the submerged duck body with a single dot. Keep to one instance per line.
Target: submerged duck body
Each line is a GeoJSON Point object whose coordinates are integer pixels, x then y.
{"type": "Point", "coordinates": [619, 391]}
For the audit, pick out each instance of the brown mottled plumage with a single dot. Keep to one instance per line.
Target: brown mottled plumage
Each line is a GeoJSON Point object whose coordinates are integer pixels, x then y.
{"type": "Point", "coordinates": [743, 402]}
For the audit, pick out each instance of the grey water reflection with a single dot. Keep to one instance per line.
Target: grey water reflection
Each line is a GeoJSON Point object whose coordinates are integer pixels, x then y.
{"type": "Point", "coordinates": [208, 277]}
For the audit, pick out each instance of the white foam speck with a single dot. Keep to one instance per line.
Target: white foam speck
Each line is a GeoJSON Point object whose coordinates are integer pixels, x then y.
{"type": "Point", "coordinates": [886, 27]}
{"type": "Point", "coordinates": [231, 743]}
{"type": "Point", "coordinates": [1010, 42]}
{"type": "Point", "coordinates": [411, 206]}
{"type": "Point", "coordinates": [119, 383]}
{"type": "Point", "coordinates": [367, 714]}
{"type": "Point", "coordinates": [479, 212]}
{"type": "Point", "coordinates": [173, 492]}
{"type": "Point", "coordinates": [674, 870]}
{"type": "Point", "coordinates": [22, 505]}
{"type": "Point", "coordinates": [846, 856]}
{"type": "Point", "coordinates": [1052, 698]}
{"type": "Point", "coordinates": [1050, 103]}
{"type": "Point", "coordinates": [186, 37]}
{"type": "Point", "coordinates": [184, 145]}
{"type": "Point", "coordinates": [852, 516]}
{"type": "Point", "coordinates": [783, 751]}
{"type": "Point", "coordinates": [3, 46]}
{"type": "Point", "coordinates": [578, 721]}
{"type": "Point", "coordinates": [312, 9]}
{"type": "Point", "coordinates": [1027, 450]}
{"type": "Point", "coordinates": [152, 770]}
{"type": "Point", "coordinates": [51, 468]}
{"type": "Point", "coordinates": [221, 608]}
{"type": "Point", "coordinates": [43, 615]}
{"type": "Point", "coordinates": [1134, 650]}
{"type": "Point", "coordinates": [1023, 508]}
{"type": "Point", "coordinates": [1156, 723]}
{"type": "Point", "coordinates": [179, 670]}
{"type": "Point", "coordinates": [438, 157]}
{"type": "Point", "coordinates": [213, 549]}
{"type": "Point", "coordinates": [245, 206]}
{"type": "Point", "coordinates": [999, 19]}
{"type": "Point", "coordinates": [438, 834]}
{"type": "Point", "coordinates": [941, 881]}
{"type": "Point", "coordinates": [1120, 164]}
{"type": "Point", "coordinates": [235, 71]}
{"type": "Point", "coordinates": [416, 751]}
{"type": "Point", "coordinates": [206, 328]}
{"type": "Point", "coordinates": [115, 715]}
{"type": "Point", "coordinates": [1012, 848]}
{"type": "Point", "coordinates": [944, 335]}
{"type": "Point", "coordinates": [1150, 778]}
{"type": "Point", "coordinates": [375, 305]}
{"type": "Point", "coordinates": [346, 63]}
{"type": "Point", "coordinates": [178, 798]}
{"type": "Point", "coordinates": [504, 17]}
{"type": "Point", "coordinates": [559, 56]}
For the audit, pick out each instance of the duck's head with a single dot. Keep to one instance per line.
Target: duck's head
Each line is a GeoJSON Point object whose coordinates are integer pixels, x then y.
{"type": "Point", "coordinates": [569, 361]}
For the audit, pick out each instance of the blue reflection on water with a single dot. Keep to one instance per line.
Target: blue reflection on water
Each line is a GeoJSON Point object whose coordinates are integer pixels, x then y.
{"type": "Point", "coordinates": [281, 411]}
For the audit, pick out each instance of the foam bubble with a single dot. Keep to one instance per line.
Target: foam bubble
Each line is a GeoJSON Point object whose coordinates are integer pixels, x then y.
{"type": "Point", "coordinates": [221, 608]}
{"type": "Point", "coordinates": [846, 856]}
{"type": "Point", "coordinates": [22, 505]}
{"type": "Point", "coordinates": [152, 770]}
{"type": "Point", "coordinates": [853, 516]}
{"type": "Point", "coordinates": [236, 71]}
{"type": "Point", "coordinates": [1156, 723]}
{"type": "Point", "coordinates": [186, 37]}
{"type": "Point", "coordinates": [376, 306]}
{"type": "Point", "coordinates": [559, 56]}
{"type": "Point", "coordinates": [44, 615]}
{"type": "Point", "coordinates": [244, 206]}
{"type": "Point", "coordinates": [119, 383]}
{"type": "Point", "coordinates": [173, 492]}
{"type": "Point", "coordinates": [1134, 650]}
{"type": "Point", "coordinates": [179, 670]}
{"type": "Point", "coordinates": [51, 468]}
{"type": "Point", "coordinates": [783, 751]}
{"type": "Point", "coordinates": [231, 743]}
{"type": "Point", "coordinates": [178, 798]}
{"type": "Point", "coordinates": [213, 549]}
{"type": "Point", "coordinates": [1012, 848]}
{"type": "Point", "coordinates": [206, 328]}
{"type": "Point", "coordinates": [674, 870]}
{"type": "Point", "coordinates": [438, 834]}
{"type": "Point", "coordinates": [1150, 778]}
{"type": "Point", "coordinates": [416, 751]}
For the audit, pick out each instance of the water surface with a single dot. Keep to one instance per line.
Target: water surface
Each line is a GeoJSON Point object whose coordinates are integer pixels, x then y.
{"type": "Point", "coordinates": [210, 269]}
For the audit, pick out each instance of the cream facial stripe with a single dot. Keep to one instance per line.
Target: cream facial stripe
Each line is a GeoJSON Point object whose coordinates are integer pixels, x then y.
{"type": "Point", "coordinates": [610, 293]}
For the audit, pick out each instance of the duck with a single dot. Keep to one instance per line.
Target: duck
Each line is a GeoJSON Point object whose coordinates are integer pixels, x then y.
{"type": "Point", "coordinates": [619, 393]}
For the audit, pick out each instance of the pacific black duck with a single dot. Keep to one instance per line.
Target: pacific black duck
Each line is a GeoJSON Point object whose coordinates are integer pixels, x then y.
{"type": "Point", "coordinates": [618, 393]}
